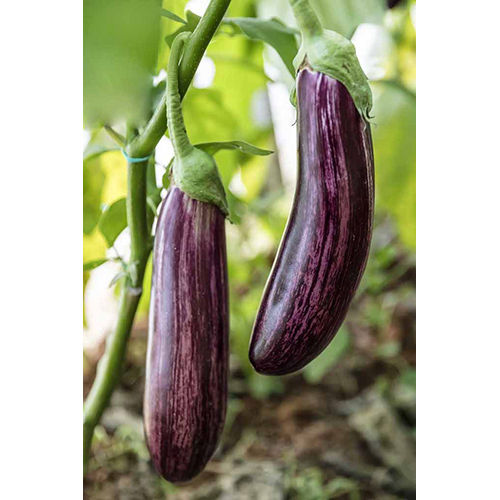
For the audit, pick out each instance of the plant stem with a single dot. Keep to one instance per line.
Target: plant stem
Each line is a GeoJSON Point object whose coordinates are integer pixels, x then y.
{"type": "Point", "coordinates": [307, 19]}
{"type": "Point", "coordinates": [180, 140]}
{"type": "Point", "coordinates": [108, 370]}
{"type": "Point", "coordinates": [146, 141]}
{"type": "Point", "coordinates": [118, 138]}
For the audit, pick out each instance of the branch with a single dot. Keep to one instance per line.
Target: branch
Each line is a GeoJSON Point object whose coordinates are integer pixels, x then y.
{"type": "Point", "coordinates": [118, 138]}
{"type": "Point", "coordinates": [145, 142]}
{"type": "Point", "coordinates": [108, 370]}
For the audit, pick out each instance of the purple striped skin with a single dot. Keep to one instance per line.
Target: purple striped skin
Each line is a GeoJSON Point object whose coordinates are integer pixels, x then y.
{"type": "Point", "coordinates": [187, 361]}
{"type": "Point", "coordinates": [324, 249]}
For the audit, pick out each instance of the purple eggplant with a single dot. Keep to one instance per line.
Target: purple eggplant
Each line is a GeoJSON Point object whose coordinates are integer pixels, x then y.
{"type": "Point", "coordinates": [324, 249]}
{"type": "Point", "coordinates": [187, 360]}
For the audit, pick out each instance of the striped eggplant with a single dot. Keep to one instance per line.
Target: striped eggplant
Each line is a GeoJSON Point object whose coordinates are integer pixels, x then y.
{"type": "Point", "coordinates": [325, 246]}
{"type": "Point", "coordinates": [187, 360]}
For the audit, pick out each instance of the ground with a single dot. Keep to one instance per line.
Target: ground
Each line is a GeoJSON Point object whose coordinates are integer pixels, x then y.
{"type": "Point", "coordinates": [347, 432]}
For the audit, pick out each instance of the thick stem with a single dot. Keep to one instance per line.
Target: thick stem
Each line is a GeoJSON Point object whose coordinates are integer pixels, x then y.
{"type": "Point", "coordinates": [140, 243]}
{"type": "Point", "coordinates": [180, 140]}
{"type": "Point", "coordinates": [307, 19]}
{"type": "Point", "coordinates": [109, 368]}
{"type": "Point", "coordinates": [108, 371]}
{"type": "Point", "coordinates": [145, 142]}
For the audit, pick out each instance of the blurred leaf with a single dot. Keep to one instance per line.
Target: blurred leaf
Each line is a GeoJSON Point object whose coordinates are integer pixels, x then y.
{"type": "Point", "coordinates": [388, 349]}
{"type": "Point", "coordinates": [308, 485]}
{"type": "Point", "coordinates": [319, 367]}
{"type": "Point", "coordinates": [93, 181]}
{"type": "Point", "coordinates": [94, 246]}
{"type": "Point", "coordinates": [214, 147]}
{"type": "Point", "coordinates": [143, 308]}
{"type": "Point", "coordinates": [88, 266]}
{"type": "Point", "coordinates": [120, 45]}
{"type": "Point", "coordinates": [165, 180]}
{"type": "Point", "coordinates": [192, 21]}
{"type": "Point", "coordinates": [113, 221]}
{"type": "Point", "coordinates": [349, 14]}
{"type": "Point", "coordinates": [117, 277]}
{"type": "Point", "coordinates": [92, 150]}
{"type": "Point", "coordinates": [171, 15]}
{"type": "Point", "coordinates": [271, 31]}
{"type": "Point", "coordinates": [253, 176]}
{"type": "Point", "coordinates": [158, 93]}
{"type": "Point", "coordinates": [409, 378]}
{"type": "Point", "coordinates": [261, 387]}
{"type": "Point", "coordinates": [153, 192]}
{"type": "Point", "coordinates": [394, 135]}
{"type": "Point", "coordinates": [341, 486]}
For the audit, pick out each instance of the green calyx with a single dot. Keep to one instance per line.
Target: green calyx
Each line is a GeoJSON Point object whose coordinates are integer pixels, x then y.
{"type": "Point", "coordinates": [198, 176]}
{"type": "Point", "coordinates": [330, 53]}
{"type": "Point", "coordinates": [194, 171]}
{"type": "Point", "coordinates": [334, 55]}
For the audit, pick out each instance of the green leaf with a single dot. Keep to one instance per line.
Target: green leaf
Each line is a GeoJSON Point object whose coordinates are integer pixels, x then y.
{"type": "Point", "coordinates": [93, 150]}
{"type": "Point", "coordinates": [349, 14]}
{"type": "Point", "coordinates": [113, 221]}
{"type": "Point", "coordinates": [271, 31]}
{"type": "Point", "coordinates": [171, 15]}
{"type": "Point", "coordinates": [166, 179]}
{"type": "Point", "coordinates": [88, 266]}
{"type": "Point", "coordinates": [409, 378]}
{"type": "Point", "coordinates": [93, 181]}
{"type": "Point", "coordinates": [153, 192]}
{"type": "Point", "coordinates": [117, 277]}
{"type": "Point", "coordinates": [318, 368]}
{"type": "Point", "coordinates": [341, 486]}
{"type": "Point", "coordinates": [394, 146]}
{"type": "Point", "coordinates": [120, 49]}
{"type": "Point", "coordinates": [192, 21]}
{"type": "Point", "coordinates": [214, 147]}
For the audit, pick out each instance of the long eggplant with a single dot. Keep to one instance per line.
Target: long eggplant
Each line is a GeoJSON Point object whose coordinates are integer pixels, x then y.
{"type": "Point", "coordinates": [325, 246]}
{"type": "Point", "coordinates": [187, 360]}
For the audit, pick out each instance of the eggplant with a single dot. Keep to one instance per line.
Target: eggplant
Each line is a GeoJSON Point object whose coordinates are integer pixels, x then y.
{"type": "Point", "coordinates": [325, 246]}
{"type": "Point", "coordinates": [187, 359]}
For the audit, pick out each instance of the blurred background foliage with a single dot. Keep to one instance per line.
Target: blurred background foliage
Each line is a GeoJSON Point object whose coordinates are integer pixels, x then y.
{"type": "Point", "coordinates": [241, 93]}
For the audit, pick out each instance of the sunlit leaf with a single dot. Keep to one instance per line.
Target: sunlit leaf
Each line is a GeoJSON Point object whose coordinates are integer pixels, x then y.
{"type": "Point", "coordinates": [192, 21]}
{"type": "Point", "coordinates": [214, 147]}
{"type": "Point", "coordinates": [349, 14]}
{"type": "Point", "coordinates": [113, 221]}
{"type": "Point", "coordinates": [171, 15]}
{"type": "Point", "coordinates": [318, 368]}
{"type": "Point", "coordinates": [120, 45]}
{"type": "Point", "coordinates": [93, 181]}
{"type": "Point", "coordinates": [88, 266]}
{"type": "Point", "coordinates": [272, 32]}
{"type": "Point", "coordinates": [92, 150]}
{"type": "Point", "coordinates": [394, 135]}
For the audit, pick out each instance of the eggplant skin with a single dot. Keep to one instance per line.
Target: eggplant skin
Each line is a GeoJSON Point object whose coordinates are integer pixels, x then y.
{"type": "Point", "coordinates": [187, 360]}
{"type": "Point", "coordinates": [325, 246]}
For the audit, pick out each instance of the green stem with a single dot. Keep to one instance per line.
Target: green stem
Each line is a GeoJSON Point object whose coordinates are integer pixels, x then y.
{"type": "Point", "coordinates": [180, 140]}
{"type": "Point", "coordinates": [307, 19]}
{"type": "Point", "coordinates": [108, 371]}
{"type": "Point", "coordinates": [109, 368]}
{"type": "Point", "coordinates": [147, 140]}
{"type": "Point", "coordinates": [140, 244]}
{"type": "Point", "coordinates": [115, 135]}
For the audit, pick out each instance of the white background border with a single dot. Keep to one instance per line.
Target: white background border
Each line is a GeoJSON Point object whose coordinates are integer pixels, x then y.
{"type": "Point", "coordinates": [458, 249]}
